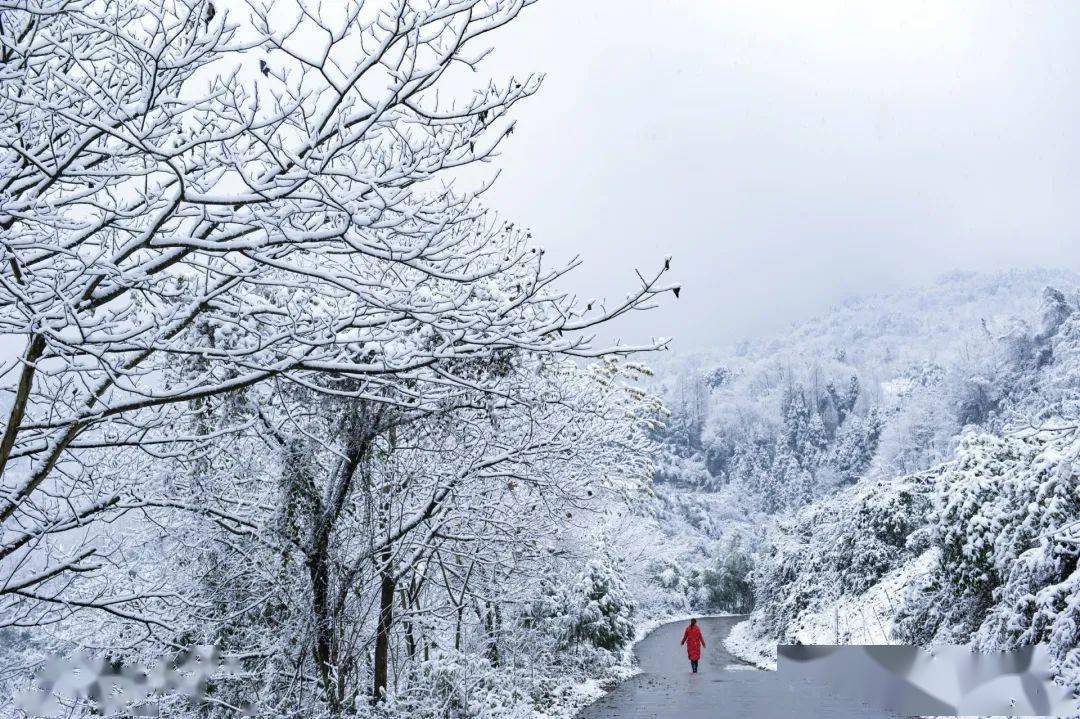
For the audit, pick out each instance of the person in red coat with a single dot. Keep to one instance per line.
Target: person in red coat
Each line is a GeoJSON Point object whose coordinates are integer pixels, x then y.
{"type": "Point", "coordinates": [694, 642]}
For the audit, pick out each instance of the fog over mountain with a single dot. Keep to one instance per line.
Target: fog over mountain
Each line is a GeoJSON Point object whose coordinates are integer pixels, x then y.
{"type": "Point", "coordinates": [791, 155]}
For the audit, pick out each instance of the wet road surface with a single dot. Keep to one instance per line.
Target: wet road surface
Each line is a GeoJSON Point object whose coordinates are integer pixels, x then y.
{"type": "Point", "coordinates": [724, 687]}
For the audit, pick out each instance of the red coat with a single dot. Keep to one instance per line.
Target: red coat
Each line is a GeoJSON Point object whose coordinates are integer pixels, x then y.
{"type": "Point", "coordinates": [694, 642]}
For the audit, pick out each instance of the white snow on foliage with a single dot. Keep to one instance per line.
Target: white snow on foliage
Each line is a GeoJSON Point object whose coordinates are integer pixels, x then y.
{"type": "Point", "coordinates": [961, 521]}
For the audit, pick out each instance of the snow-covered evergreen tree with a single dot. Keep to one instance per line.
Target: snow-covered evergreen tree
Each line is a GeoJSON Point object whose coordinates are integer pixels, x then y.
{"type": "Point", "coordinates": [600, 608]}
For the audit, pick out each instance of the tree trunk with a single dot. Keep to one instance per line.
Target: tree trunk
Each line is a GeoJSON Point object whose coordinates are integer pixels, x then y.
{"type": "Point", "coordinates": [387, 587]}
{"type": "Point", "coordinates": [34, 352]}
{"type": "Point", "coordinates": [326, 659]}
{"type": "Point", "coordinates": [491, 624]}
{"type": "Point", "coordinates": [333, 670]}
{"type": "Point", "coordinates": [410, 638]}
{"type": "Point", "coordinates": [457, 628]}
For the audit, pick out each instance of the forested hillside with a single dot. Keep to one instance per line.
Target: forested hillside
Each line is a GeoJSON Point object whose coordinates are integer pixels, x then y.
{"type": "Point", "coordinates": [878, 387]}
{"type": "Point", "coordinates": [918, 457]}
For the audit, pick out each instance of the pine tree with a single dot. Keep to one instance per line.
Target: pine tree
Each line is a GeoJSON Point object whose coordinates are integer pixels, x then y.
{"type": "Point", "coordinates": [852, 396]}
{"type": "Point", "coordinates": [816, 442]}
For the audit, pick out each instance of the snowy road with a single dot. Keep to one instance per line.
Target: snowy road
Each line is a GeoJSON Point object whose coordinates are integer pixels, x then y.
{"type": "Point", "coordinates": [725, 686]}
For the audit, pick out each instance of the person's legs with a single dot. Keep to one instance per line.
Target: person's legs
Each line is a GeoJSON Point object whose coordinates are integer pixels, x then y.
{"type": "Point", "coordinates": [693, 665]}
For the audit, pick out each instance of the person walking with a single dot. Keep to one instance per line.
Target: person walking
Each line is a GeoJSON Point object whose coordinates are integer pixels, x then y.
{"type": "Point", "coordinates": [694, 642]}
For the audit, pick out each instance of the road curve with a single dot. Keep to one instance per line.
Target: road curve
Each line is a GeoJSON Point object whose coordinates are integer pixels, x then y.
{"type": "Point", "coordinates": [724, 687]}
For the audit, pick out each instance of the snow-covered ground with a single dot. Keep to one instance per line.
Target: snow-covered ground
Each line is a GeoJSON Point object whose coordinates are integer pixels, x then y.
{"type": "Point", "coordinates": [744, 643]}
{"type": "Point", "coordinates": [572, 696]}
{"type": "Point", "coordinates": [863, 619]}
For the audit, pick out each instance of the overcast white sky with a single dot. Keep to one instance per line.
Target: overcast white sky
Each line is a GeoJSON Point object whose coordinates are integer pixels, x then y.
{"type": "Point", "coordinates": [791, 153]}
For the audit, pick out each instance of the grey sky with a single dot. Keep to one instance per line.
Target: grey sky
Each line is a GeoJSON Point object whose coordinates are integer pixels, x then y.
{"type": "Point", "coordinates": [790, 153]}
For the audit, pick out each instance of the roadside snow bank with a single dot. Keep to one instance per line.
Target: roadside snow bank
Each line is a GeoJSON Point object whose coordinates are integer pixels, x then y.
{"type": "Point", "coordinates": [865, 618]}
{"type": "Point", "coordinates": [861, 619]}
{"type": "Point", "coordinates": [569, 697]}
{"type": "Point", "coordinates": [744, 643]}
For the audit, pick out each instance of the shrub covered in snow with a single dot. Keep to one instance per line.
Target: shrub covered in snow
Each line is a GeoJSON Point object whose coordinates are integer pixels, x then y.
{"type": "Point", "coordinates": [594, 611]}
{"type": "Point", "coordinates": [455, 685]}
{"type": "Point", "coordinates": [1002, 523]}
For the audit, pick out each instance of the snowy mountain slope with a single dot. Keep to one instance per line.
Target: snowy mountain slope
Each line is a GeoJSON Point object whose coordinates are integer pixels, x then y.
{"type": "Point", "coordinates": [984, 551]}
{"type": "Point", "coordinates": [864, 618]}
{"type": "Point", "coordinates": [888, 332]}
{"type": "Point", "coordinates": [879, 386]}
{"type": "Point", "coordinates": [914, 457]}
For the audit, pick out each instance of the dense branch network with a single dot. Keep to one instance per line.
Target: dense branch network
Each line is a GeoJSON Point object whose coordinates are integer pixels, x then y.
{"type": "Point", "coordinates": [206, 216]}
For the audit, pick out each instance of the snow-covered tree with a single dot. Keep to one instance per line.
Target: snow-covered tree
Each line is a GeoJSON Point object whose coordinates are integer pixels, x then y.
{"type": "Point", "coordinates": [366, 541]}
{"type": "Point", "coordinates": [199, 201]}
{"type": "Point", "coordinates": [1003, 524]}
{"type": "Point", "coordinates": [600, 608]}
